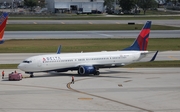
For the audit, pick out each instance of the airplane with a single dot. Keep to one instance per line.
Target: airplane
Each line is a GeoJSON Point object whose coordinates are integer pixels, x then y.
{"type": "Point", "coordinates": [86, 63]}
{"type": "Point", "coordinates": [3, 20]}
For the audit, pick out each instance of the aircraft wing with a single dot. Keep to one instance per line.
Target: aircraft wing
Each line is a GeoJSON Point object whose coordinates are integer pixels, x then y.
{"type": "Point", "coordinates": [109, 65]}
{"type": "Point", "coordinates": [99, 65]}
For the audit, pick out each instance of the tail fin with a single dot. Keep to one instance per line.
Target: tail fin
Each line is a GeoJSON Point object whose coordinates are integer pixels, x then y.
{"type": "Point", "coordinates": [3, 20]}
{"type": "Point", "coordinates": [141, 42]}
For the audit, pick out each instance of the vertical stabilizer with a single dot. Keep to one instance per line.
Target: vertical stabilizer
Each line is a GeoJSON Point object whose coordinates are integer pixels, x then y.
{"type": "Point", "coordinates": [3, 20]}
{"type": "Point", "coordinates": [141, 42]}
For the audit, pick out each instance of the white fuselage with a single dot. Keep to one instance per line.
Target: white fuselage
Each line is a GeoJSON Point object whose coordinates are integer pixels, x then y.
{"type": "Point", "coordinates": [53, 62]}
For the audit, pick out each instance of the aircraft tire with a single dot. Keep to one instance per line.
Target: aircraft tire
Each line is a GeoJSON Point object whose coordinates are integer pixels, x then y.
{"type": "Point", "coordinates": [31, 75]}
{"type": "Point", "coordinates": [97, 73]}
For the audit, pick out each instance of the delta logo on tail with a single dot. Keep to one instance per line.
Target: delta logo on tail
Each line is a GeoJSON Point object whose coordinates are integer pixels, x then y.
{"type": "Point", "coordinates": [140, 44]}
{"type": "Point", "coordinates": [3, 20]}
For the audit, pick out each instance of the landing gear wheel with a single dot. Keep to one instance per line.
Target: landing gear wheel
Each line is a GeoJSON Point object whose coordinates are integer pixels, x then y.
{"type": "Point", "coordinates": [96, 73]}
{"type": "Point", "coordinates": [31, 75]}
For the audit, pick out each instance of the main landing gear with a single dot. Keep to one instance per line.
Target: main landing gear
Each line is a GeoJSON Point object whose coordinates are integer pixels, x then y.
{"type": "Point", "coordinates": [96, 73]}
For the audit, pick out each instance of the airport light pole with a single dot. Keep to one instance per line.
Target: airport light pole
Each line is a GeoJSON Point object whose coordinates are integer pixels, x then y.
{"type": "Point", "coordinates": [12, 5]}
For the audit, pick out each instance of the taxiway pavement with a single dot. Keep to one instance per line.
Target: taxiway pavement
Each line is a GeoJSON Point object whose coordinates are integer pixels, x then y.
{"type": "Point", "coordinates": [117, 89]}
{"type": "Point", "coordinates": [87, 34]}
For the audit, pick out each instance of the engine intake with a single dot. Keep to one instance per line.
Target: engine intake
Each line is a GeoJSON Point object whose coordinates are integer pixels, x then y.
{"type": "Point", "coordinates": [86, 70]}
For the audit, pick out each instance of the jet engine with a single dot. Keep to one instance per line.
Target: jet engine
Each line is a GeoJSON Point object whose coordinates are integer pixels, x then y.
{"type": "Point", "coordinates": [86, 70]}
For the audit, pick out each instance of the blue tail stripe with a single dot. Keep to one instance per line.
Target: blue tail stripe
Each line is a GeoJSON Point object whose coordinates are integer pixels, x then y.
{"type": "Point", "coordinates": [2, 41]}
{"type": "Point", "coordinates": [135, 46]}
{"type": "Point", "coordinates": [3, 17]}
{"type": "Point", "coordinates": [5, 14]}
{"type": "Point", "coordinates": [147, 25]}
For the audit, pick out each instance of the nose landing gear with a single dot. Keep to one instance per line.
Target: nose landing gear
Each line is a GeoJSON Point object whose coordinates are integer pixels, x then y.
{"type": "Point", "coordinates": [31, 74]}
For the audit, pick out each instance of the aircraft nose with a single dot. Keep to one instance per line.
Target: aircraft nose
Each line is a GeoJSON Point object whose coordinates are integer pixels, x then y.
{"type": "Point", "coordinates": [20, 66]}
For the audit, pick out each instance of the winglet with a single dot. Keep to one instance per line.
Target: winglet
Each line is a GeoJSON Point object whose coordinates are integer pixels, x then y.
{"type": "Point", "coordinates": [59, 50]}
{"type": "Point", "coordinates": [141, 42]}
{"type": "Point", "coordinates": [154, 57]}
{"type": "Point", "coordinates": [3, 20]}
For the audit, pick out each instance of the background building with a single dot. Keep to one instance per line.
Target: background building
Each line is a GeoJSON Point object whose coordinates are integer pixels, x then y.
{"type": "Point", "coordinates": [62, 6]}
{"type": "Point", "coordinates": [5, 4]}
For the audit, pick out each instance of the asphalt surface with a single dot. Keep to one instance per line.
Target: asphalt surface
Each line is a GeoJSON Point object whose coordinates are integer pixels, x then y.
{"type": "Point", "coordinates": [115, 90]}
{"type": "Point", "coordinates": [90, 34]}
{"type": "Point", "coordinates": [16, 58]}
{"type": "Point", "coordinates": [87, 34]}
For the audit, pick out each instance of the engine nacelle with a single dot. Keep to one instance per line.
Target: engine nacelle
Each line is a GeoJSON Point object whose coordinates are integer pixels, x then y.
{"type": "Point", "coordinates": [86, 70]}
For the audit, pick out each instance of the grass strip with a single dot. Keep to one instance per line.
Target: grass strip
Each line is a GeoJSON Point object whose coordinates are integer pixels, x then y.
{"type": "Point", "coordinates": [155, 64]}
{"type": "Point", "coordinates": [135, 17]}
{"type": "Point", "coordinates": [82, 27]}
{"type": "Point", "coordinates": [85, 45]}
{"type": "Point", "coordinates": [8, 66]}
{"type": "Point", "coordinates": [134, 65]}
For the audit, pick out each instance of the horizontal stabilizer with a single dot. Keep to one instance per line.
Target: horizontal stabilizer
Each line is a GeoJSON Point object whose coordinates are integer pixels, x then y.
{"type": "Point", "coordinates": [154, 57]}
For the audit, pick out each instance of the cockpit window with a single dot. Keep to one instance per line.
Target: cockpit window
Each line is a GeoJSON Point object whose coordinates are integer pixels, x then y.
{"type": "Point", "coordinates": [27, 61]}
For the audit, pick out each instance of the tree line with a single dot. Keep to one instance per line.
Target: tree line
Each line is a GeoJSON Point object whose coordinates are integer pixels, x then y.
{"type": "Point", "coordinates": [128, 5]}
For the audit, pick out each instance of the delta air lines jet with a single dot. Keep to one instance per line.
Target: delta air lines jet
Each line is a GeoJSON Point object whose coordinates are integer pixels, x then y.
{"type": "Point", "coordinates": [89, 62]}
{"type": "Point", "coordinates": [3, 20]}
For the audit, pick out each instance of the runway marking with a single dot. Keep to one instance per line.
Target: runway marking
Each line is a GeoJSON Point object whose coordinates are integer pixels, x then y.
{"type": "Point", "coordinates": [171, 57]}
{"type": "Point", "coordinates": [90, 22]}
{"type": "Point", "coordinates": [131, 68]}
{"type": "Point", "coordinates": [62, 23]}
{"type": "Point", "coordinates": [117, 23]}
{"type": "Point", "coordinates": [34, 22]}
{"type": "Point", "coordinates": [106, 35]}
{"type": "Point", "coordinates": [129, 105]}
{"type": "Point", "coordinates": [140, 23]}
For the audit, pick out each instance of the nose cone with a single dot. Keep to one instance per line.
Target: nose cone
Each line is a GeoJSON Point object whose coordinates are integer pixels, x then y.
{"type": "Point", "coordinates": [21, 67]}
